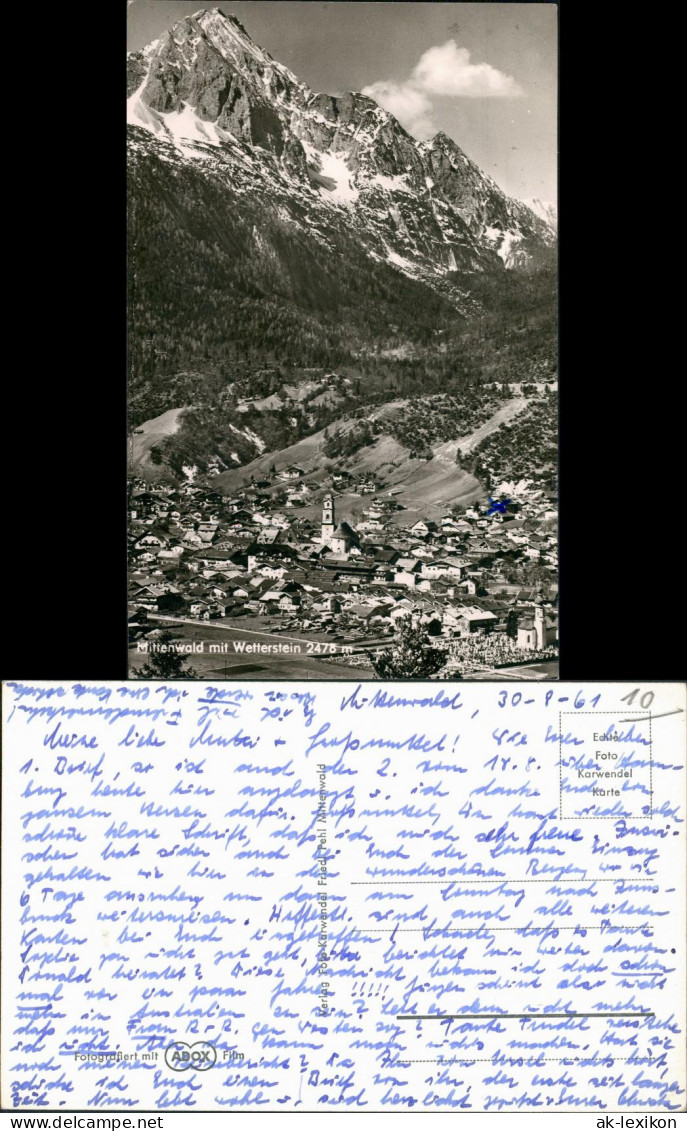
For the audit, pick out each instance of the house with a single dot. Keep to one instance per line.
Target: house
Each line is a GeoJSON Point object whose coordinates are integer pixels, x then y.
{"type": "Point", "coordinates": [173, 555]}
{"type": "Point", "coordinates": [290, 473]}
{"type": "Point", "coordinates": [238, 592]}
{"type": "Point", "coordinates": [214, 559]}
{"type": "Point", "coordinates": [386, 557]}
{"type": "Point", "coordinates": [199, 609]}
{"type": "Point", "coordinates": [285, 597]}
{"type": "Point", "coordinates": [445, 567]}
{"type": "Point", "coordinates": [407, 578]}
{"type": "Point", "coordinates": [216, 609]}
{"type": "Point", "coordinates": [289, 601]}
{"type": "Point", "coordinates": [268, 535]}
{"type": "Point", "coordinates": [271, 570]}
{"type": "Point", "coordinates": [241, 516]}
{"type": "Point", "coordinates": [422, 528]}
{"type": "Point", "coordinates": [260, 585]}
{"type": "Point", "coordinates": [466, 619]}
{"type": "Point", "coordinates": [152, 538]}
{"type": "Point", "coordinates": [328, 604]}
{"type": "Point", "coordinates": [146, 601]}
{"type": "Point", "coordinates": [377, 614]}
{"type": "Point", "coordinates": [301, 489]}
{"type": "Point", "coordinates": [406, 572]}
{"type": "Point", "coordinates": [257, 552]}
{"type": "Point", "coordinates": [207, 531]}
{"type": "Point", "coordinates": [216, 591]}
{"type": "Point", "coordinates": [481, 552]}
{"type": "Point", "coordinates": [407, 563]}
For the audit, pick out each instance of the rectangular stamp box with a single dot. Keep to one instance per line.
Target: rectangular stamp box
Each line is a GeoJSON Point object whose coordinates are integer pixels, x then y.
{"type": "Point", "coordinates": [605, 766]}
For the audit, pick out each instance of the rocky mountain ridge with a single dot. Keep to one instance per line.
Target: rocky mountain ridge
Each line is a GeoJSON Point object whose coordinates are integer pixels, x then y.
{"type": "Point", "coordinates": [205, 95]}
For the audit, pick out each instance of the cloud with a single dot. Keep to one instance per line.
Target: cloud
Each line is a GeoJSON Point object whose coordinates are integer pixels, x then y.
{"type": "Point", "coordinates": [445, 71]}
{"type": "Point", "coordinates": [411, 106]}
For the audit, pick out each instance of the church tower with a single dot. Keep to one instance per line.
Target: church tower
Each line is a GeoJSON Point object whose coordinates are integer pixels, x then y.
{"type": "Point", "coordinates": [539, 627]}
{"type": "Point", "coordinates": [327, 520]}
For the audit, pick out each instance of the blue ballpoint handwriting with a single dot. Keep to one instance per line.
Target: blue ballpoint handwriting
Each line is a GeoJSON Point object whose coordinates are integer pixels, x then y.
{"type": "Point", "coordinates": [360, 899]}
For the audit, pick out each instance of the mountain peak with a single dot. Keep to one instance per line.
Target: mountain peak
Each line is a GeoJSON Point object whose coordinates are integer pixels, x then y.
{"type": "Point", "coordinates": [229, 37]}
{"type": "Point", "coordinates": [210, 12]}
{"type": "Point", "coordinates": [443, 141]}
{"type": "Point", "coordinates": [217, 17]}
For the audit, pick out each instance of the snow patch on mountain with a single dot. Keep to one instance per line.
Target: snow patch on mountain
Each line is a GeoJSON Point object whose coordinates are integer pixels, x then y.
{"type": "Point", "coordinates": [334, 167]}
{"type": "Point", "coordinates": [176, 126]}
{"type": "Point", "coordinates": [504, 243]}
{"type": "Point", "coordinates": [398, 183]}
{"type": "Point", "coordinates": [509, 242]}
{"type": "Point", "coordinates": [337, 179]}
{"type": "Point", "coordinates": [185, 123]}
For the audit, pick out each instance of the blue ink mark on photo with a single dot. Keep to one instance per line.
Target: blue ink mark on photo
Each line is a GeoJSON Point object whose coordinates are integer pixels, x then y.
{"type": "Point", "coordinates": [497, 506]}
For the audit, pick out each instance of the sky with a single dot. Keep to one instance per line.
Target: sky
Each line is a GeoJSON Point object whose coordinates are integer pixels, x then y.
{"type": "Point", "coordinates": [484, 73]}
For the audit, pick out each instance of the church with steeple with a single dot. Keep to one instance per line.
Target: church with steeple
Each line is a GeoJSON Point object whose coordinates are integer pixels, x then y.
{"type": "Point", "coordinates": [339, 538]}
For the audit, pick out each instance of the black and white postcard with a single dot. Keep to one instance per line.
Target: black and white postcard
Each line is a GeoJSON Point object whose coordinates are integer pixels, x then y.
{"type": "Point", "coordinates": [342, 387]}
